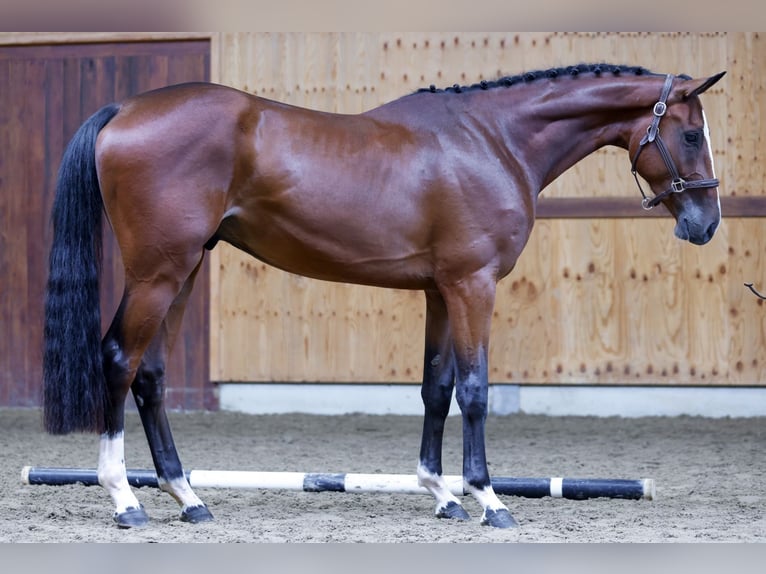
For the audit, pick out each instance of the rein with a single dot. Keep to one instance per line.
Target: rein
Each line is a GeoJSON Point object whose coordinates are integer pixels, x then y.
{"type": "Point", "coordinates": [678, 184]}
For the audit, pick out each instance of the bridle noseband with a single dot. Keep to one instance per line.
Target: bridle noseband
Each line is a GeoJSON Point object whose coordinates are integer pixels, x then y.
{"type": "Point", "coordinates": [678, 184]}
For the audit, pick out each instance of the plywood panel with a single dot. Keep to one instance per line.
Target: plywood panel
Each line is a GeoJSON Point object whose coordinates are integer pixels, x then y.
{"type": "Point", "coordinates": [588, 303]}
{"type": "Point", "coordinates": [591, 301]}
{"type": "Point", "coordinates": [743, 152]}
{"type": "Point", "coordinates": [746, 314]}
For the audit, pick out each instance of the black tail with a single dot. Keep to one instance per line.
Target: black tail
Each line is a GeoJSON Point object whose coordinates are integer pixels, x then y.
{"type": "Point", "coordinates": [74, 390]}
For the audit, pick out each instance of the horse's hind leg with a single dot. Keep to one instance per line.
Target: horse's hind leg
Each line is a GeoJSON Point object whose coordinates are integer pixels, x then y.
{"type": "Point", "coordinates": [123, 348]}
{"type": "Point", "coordinates": [149, 392]}
{"type": "Point", "coordinates": [436, 391]}
{"type": "Point", "coordinates": [140, 316]}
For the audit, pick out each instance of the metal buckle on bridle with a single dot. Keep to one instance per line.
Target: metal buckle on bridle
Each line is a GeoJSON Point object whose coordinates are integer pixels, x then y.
{"type": "Point", "coordinates": [660, 108]}
{"type": "Point", "coordinates": [678, 185]}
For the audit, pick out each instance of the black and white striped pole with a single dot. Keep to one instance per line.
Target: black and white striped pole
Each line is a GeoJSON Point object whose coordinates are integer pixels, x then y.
{"type": "Point", "coordinates": [558, 487]}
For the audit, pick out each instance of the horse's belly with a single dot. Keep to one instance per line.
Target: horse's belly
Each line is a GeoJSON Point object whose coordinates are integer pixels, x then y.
{"type": "Point", "coordinates": [337, 251]}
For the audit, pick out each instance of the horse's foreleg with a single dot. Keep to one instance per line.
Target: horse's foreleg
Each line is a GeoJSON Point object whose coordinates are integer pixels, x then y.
{"type": "Point", "coordinates": [149, 393]}
{"type": "Point", "coordinates": [436, 391]}
{"type": "Point", "coordinates": [470, 302]}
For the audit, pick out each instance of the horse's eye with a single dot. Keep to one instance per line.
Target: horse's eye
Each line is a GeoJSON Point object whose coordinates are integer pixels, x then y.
{"type": "Point", "coordinates": [692, 138]}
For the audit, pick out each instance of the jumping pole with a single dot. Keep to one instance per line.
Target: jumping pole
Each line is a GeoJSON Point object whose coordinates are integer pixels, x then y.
{"type": "Point", "coordinates": [558, 487]}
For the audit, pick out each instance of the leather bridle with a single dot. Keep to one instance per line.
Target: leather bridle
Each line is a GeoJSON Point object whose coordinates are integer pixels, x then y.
{"type": "Point", "coordinates": [678, 184]}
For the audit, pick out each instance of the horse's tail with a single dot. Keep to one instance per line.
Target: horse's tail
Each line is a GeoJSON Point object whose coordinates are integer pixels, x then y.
{"type": "Point", "coordinates": [74, 389]}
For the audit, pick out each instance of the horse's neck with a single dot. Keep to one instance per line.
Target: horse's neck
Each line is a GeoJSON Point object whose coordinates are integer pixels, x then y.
{"type": "Point", "coordinates": [557, 124]}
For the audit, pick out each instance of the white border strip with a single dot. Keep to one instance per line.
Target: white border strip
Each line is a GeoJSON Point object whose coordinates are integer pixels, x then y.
{"type": "Point", "coordinates": [632, 402]}
{"type": "Point", "coordinates": [404, 399]}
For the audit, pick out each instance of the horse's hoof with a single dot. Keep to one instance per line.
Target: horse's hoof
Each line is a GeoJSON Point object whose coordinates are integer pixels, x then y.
{"type": "Point", "coordinates": [499, 518]}
{"type": "Point", "coordinates": [453, 510]}
{"type": "Point", "coordinates": [196, 514]}
{"type": "Point", "coordinates": [132, 518]}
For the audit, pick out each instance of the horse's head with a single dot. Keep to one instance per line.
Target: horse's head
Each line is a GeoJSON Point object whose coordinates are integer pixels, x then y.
{"type": "Point", "coordinates": [678, 164]}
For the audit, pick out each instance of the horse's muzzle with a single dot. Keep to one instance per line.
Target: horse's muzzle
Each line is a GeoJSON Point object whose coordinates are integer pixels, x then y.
{"type": "Point", "coordinates": [698, 233]}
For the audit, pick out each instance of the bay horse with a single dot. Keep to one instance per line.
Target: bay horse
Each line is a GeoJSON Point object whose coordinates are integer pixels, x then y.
{"type": "Point", "coordinates": [434, 191]}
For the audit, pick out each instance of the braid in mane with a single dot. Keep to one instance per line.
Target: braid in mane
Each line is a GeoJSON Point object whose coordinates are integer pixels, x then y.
{"type": "Point", "coordinates": [527, 77]}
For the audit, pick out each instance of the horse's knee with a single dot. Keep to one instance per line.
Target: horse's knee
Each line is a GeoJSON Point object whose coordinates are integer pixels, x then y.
{"type": "Point", "coordinates": [437, 398]}
{"type": "Point", "coordinates": [438, 383]}
{"type": "Point", "coordinates": [473, 398]}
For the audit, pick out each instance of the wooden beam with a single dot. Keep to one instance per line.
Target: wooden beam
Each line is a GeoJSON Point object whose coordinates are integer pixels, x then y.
{"type": "Point", "coordinates": [630, 207]}
{"type": "Point", "coordinates": [27, 38]}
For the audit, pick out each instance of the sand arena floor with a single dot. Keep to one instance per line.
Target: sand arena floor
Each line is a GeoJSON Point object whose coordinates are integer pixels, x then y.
{"type": "Point", "coordinates": [710, 479]}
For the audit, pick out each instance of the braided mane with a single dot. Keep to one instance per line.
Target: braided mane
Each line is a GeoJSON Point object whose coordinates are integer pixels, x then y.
{"type": "Point", "coordinates": [527, 77]}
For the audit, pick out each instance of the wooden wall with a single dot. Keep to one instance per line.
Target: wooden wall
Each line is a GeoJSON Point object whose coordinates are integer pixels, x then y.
{"type": "Point", "coordinates": [612, 299]}
{"type": "Point", "coordinates": [593, 300]}
{"type": "Point", "coordinates": [48, 86]}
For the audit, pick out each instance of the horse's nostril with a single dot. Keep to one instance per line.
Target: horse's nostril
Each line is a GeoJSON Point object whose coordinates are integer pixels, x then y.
{"type": "Point", "coordinates": [682, 228]}
{"type": "Point", "coordinates": [696, 234]}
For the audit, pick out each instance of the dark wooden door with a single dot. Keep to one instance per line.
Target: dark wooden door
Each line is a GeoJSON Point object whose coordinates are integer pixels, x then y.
{"type": "Point", "coordinates": [46, 92]}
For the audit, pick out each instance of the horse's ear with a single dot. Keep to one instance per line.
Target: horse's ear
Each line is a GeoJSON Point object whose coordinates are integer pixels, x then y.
{"type": "Point", "coordinates": [696, 87]}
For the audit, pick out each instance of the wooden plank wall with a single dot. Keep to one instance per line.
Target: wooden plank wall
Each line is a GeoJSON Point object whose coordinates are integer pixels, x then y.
{"type": "Point", "coordinates": [612, 301]}
{"type": "Point", "coordinates": [48, 86]}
